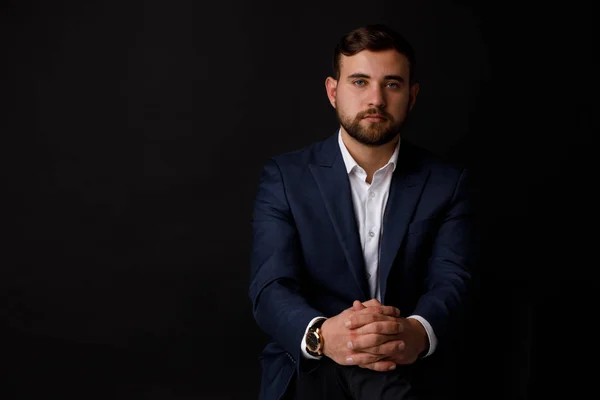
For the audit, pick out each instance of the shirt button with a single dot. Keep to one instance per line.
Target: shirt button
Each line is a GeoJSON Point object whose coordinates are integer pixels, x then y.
{"type": "Point", "coordinates": [372, 194]}
{"type": "Point", "coordinates": [371, 234]}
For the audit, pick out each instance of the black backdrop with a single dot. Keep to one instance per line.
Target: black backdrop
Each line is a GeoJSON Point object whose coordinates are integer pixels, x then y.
{"type": "Point", "coordinates": [132, 137]}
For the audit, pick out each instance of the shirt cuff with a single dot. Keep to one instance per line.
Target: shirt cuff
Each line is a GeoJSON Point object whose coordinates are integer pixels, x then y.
{"type": "Point", "coordinates": [303, 343]}
{"type": "Point", "coordinates": [430, 334]}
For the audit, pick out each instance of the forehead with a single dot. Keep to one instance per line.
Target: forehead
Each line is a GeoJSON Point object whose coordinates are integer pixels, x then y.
{"type": "Point", "coordinates": [375, 63]}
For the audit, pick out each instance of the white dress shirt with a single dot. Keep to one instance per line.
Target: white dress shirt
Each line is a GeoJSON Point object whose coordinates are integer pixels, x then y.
{"type": "Point", "coordinates": [369, 207]}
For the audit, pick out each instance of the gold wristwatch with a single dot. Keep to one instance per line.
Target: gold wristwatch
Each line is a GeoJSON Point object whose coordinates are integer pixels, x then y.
{"type": "Point", "coordinates": [314, 339]}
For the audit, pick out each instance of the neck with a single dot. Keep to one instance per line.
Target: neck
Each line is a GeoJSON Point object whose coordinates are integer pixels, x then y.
{"type": "Point", "coordinates": [370, 158]}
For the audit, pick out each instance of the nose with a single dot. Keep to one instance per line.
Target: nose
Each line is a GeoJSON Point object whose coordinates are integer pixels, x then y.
{"type": "Point", "coordinates": [376, 97]}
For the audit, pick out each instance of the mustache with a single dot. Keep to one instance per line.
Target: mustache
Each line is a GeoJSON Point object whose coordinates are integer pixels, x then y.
{"type": "Point", "coordinates": [372, 111]}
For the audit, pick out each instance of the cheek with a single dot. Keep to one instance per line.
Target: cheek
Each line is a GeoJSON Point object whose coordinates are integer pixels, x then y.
{"type": "Point", "coordinates": [401, 105]}
{"type": "Point", "coordinates": [345, 105]}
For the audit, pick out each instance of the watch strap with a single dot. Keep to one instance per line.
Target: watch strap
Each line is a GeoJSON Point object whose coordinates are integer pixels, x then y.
{"type": "Point", "coordinates": [317, 323]}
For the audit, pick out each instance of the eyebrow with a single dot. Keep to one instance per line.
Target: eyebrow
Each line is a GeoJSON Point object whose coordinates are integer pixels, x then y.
{"type": "Point", "coordinates": [387, 77]}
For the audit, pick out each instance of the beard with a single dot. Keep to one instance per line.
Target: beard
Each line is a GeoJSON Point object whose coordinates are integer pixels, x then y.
{"type": "Point", "coordinates": [371, 133]}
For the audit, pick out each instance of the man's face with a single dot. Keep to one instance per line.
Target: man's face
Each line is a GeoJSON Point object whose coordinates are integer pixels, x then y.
{"type": "Point", "coordinates": [372, 97]}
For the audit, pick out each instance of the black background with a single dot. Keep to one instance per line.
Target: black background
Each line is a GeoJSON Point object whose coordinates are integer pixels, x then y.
{"type": "Point", "coordinates": [132, 137]}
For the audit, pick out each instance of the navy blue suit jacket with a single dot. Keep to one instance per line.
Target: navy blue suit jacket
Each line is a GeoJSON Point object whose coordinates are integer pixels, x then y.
{"type": "Point", "coordinates": [307, 258]}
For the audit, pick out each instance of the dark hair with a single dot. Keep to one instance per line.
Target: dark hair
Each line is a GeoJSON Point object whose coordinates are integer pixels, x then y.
{"type": "Point", "coordinates": [373, 37]}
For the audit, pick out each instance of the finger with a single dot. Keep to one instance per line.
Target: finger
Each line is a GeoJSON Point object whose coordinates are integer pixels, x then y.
{"type": "Point", "coordinates": [380, 366]}
{"type": "Point", "coordinates": [357, 306]}
{"type": "Point", "coordinates": [389, 326]}
{"type": "Point", "coordinates": [368, 311]}
{"type": "Point", "coordinates": [386, 310]}
{"type": "Point", "coordinates": [372, 303]}
{"type": "Point", "coordinates": [360, 358]}
{"type": "Point", "coordinates": [371, 340]}
{"type": "Point", "coordinates": [367, 316]}
{"type": "Point", "coordinates": [390, 310]}
{"type": "Point", "coordinates": [393, 348]}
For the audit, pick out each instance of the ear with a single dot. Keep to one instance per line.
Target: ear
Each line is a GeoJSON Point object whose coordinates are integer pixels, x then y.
{"type": "Point", "coordinates": [331, 88]}
{"type": "Point", "coordinates": [414, 91]}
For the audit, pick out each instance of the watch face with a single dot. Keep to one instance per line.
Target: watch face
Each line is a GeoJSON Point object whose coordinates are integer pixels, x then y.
{"type": "Point", "coordinates": [312, 341]}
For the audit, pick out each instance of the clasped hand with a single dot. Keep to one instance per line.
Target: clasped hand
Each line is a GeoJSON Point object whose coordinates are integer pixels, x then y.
{"type": "Point", "coordinates": [373, 336]}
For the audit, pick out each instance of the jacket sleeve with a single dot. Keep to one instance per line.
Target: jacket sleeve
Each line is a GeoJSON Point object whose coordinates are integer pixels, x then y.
{"type": "Point", "coordinates": [277, 266]}
{"type": "Point", "coordinates": [446, 299]}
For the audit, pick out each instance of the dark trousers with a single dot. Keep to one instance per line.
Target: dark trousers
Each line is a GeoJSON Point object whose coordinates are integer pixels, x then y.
{"type": "Point", "coordinates": [330, 381]}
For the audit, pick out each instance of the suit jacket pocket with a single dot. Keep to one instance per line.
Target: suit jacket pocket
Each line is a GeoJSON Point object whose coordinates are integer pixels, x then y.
{"type": "Point", "coordinates": [421, 226]}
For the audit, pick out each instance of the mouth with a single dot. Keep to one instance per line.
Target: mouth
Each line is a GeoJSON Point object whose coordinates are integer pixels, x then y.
{"type": "Point", "coordinates": [375, 117]}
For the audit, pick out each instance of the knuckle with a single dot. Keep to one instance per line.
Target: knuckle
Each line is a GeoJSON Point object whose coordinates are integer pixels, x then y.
{"type": "Point", "coordinates": [379, 339]}
{"type": "Point", "coordinates": [377, 327]}
{"type": "Point", "coordinates": [392, 348]}
{"type": "Point", "coordinates": [367, 340]}
{"type": "Point", "coordinates": [366, 360]}
{"type": "Point", "coordinates": [384, 349]}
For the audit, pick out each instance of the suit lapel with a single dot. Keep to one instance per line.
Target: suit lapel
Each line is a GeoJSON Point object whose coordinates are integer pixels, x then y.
{"type": "Point", "coordinates": [407, 184]}
{"type": "Point", "coordinates": [330, 174]}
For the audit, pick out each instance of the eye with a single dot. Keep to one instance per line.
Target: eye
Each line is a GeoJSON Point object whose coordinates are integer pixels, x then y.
{"type": "Point", "coordinates": [393, 85]}
{"type": "Point", "coordinates": [359, 82]}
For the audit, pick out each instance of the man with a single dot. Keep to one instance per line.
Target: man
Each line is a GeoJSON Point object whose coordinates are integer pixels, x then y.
{"type": "Point", "coordinates": [362, 243]}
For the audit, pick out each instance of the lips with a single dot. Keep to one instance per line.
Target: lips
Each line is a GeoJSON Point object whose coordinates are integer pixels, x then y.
{"type": "Point", "coordinates": [378, 116]}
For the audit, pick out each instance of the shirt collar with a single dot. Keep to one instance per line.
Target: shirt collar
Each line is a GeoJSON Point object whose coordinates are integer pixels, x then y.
{"type": "Point", "coordinates": [350, 163]}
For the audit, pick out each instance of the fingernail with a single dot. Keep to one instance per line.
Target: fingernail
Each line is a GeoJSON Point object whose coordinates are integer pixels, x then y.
{"type": "Point", "coordinates": [349, 360]}
{"type": "Point", "coordinates": [401, 346]}
{"type": "Point", "coordinates": [397, 311]}
{"type": "Point", "coordinates": [350, 345]}
{"type": "Point", "coordinates": [347, 324]}
{"type": "Point", "coordinates": [393, 367]}
{"type": "Point", "coordinates": [400, 328]}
